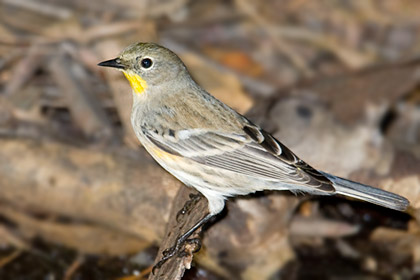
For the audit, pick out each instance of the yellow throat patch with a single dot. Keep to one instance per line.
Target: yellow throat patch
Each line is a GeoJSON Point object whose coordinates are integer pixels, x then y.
{"type": "Point", "coordinates": [136, 82]}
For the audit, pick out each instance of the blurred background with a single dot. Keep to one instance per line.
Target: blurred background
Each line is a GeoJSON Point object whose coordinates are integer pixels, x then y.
{"type": "Point", "coordinates": [336, 81]}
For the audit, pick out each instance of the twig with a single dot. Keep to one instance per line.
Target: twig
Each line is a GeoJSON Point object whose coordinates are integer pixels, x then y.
{"type": "Point", "coordinates": [249, 9]}
{"type": "Point", "coordinates": [73, 267]}
{"type": "Point", "coordinates": [4, 261]}
{"type": "Point", "coordinates": [259, 87]}
{"type": "Point", "coordinates": [351, 58]}
{"type": "Point", "coordinates": [110, 29]}
{"type": "Point", "coordinates": [178, 224]}
{"type": "Point", "coordinates": [25, 69]}
{"type": "Point", "coordinates": [141, 275]}
{"type": "Point", "coordinates": [84, 108]}
{"type": "Point", "coordinates": [39, 7]}
{"type": "Point", "coordinates": [321, 227]}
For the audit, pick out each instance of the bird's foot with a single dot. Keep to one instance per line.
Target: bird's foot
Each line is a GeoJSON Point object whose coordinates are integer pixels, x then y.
{"type": "Point", "coordinates": [179, 250]}
{"type": "Point", "coordinates": [196, 242]}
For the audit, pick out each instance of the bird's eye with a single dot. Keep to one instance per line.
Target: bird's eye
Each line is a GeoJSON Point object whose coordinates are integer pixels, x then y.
{"type": "Point", "coordinates": [146, 63]}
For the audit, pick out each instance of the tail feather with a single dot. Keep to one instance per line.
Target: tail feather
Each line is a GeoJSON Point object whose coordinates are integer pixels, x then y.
{"type": "Point", "coordinates": [368, 193]}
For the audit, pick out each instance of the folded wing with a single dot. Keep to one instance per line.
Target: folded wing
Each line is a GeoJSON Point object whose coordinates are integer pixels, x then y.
{"type": "Point", "coordinates": [254, 153]}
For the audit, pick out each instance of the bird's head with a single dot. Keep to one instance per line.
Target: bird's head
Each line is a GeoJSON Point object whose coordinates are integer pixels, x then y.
{"type": "Point", "coordinates": [146, 65]}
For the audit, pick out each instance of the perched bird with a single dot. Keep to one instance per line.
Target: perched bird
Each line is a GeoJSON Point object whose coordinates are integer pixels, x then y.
{"type": "Point", "coordinates": [212, 148]}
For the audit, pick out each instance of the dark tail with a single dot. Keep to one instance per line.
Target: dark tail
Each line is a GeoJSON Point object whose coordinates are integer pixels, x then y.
{"type": "Point", "coordinates": [368, 193]}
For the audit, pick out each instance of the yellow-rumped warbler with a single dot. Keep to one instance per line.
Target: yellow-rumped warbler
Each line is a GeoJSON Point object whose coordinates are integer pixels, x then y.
{"type": "Point", "coordinates": [212, 148]}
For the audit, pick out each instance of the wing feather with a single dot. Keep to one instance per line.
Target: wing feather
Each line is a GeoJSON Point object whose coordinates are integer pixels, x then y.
{"type": "Point", "coordinates": [254, 153]}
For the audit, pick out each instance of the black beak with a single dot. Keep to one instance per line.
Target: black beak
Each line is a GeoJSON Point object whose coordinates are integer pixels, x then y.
{"type": "Point", "coordinates": [116, 63]}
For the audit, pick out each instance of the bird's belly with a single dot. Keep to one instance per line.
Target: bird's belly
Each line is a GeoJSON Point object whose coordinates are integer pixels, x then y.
{"type": "Point", "coordinates": [206, 178]}
{"type": "Point", "coordinates": [214, 183]}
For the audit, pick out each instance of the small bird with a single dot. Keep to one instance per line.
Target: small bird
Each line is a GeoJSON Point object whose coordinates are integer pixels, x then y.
{"type": "Point", "coordinates": [209, 146]}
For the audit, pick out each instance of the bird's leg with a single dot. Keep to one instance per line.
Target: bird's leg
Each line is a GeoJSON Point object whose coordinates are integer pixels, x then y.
{"type": "Point", "coordinates": [181, 240]}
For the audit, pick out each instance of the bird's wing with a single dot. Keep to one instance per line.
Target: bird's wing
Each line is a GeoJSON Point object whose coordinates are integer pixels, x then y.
{"type": "Point", "coordinates": [253, 153]}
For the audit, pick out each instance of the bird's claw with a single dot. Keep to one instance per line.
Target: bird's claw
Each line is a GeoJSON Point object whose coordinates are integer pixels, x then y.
{"type": "Point", "coordinates": [176, 250]}
{"type": "Point", "coordinates": [193, 241]}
